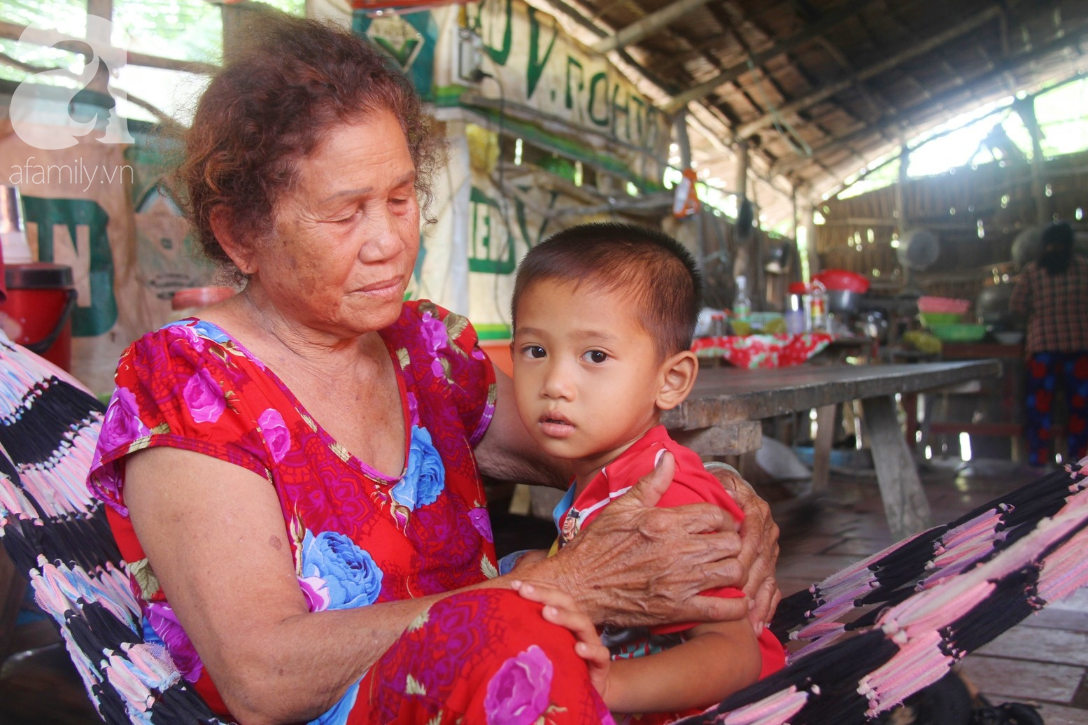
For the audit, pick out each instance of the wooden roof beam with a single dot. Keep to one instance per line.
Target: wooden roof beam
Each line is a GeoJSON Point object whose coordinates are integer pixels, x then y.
{"type": "Point", "coordinates": [648, 25]}
{"type": "Point", "coordinates": [949, 97]}
{"type": "Point", "coordinates": [824, 92]}
{"type": "Point", "coordinates": [843, 12]}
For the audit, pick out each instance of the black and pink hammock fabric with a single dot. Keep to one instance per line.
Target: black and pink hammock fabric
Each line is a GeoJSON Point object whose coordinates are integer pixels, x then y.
{"type": "Point", "coordinates": [873, 633]}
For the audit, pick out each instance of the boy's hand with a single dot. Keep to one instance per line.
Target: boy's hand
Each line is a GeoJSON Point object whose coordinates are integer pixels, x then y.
{"type": "Point", "coordinates": [561, 609]}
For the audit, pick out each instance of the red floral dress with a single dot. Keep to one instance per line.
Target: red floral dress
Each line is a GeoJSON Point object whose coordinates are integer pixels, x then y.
{"type": "Point", "coordinates": [357, 537]}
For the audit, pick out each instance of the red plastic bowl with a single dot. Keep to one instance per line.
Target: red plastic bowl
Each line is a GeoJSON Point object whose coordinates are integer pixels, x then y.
{"type": "Point", "coordinates": [840, 279]}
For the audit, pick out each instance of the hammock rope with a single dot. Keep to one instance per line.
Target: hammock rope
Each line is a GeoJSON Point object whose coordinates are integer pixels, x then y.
{"type": "Point", "coordinates": [886, 627]}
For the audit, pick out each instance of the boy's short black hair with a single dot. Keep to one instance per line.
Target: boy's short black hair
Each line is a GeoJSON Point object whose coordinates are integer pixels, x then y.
{"type": "Point", "coordinates": [655, 270]}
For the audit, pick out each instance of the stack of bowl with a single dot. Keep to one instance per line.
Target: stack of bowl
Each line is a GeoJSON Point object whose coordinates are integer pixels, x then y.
{"type": "Point", "coordinates": [942, 315]}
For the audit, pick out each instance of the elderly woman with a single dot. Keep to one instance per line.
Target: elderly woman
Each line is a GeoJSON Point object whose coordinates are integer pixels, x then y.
{"type": "Point", "coordinates": [294, 478]}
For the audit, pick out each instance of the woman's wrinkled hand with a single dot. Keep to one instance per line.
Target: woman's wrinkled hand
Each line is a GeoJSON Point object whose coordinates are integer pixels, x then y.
{"type": "Point", "coordinates": [638, 565]}
{"type": "Point", "coordinates": [759, 547]}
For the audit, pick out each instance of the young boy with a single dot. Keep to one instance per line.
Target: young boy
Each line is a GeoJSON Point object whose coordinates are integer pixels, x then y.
{"type": "Point", "coordinates": [603, 319]}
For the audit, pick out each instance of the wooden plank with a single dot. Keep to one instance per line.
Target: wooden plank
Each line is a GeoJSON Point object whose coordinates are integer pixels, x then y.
{"type": "Point", "coordinates": [905, 503]}
{"type": "Point", "coordinates": [731, 394]}
{"type": "Point", "coordinates": [12, 588]}
{"type": "Point", "coordinates": [728, 439]}
{"type": "Point", "coordinates": [821, 453]}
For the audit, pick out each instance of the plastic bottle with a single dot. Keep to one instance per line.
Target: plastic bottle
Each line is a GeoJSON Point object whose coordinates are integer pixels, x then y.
{"type": "Point", "coordinates": [798, 310]}
{"type": "Point", "coordinates": [818, 305]}
{"type": "Point", "coordinates": [742, 306]}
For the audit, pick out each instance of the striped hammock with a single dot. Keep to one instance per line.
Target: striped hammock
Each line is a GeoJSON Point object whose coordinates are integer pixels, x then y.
{"type": "Point", "coordinates": [875, 632]}
{"type": "Point", "coordinates": [56, 533]}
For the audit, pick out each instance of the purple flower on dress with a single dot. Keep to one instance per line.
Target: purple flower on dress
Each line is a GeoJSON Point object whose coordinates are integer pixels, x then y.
{"type": "Point", "coordinates": [426, 474]}
{"type": "Point", "coordinates": [435, 337]}
{"type": "Point", "coordinates": [181, 330]}
{"type": "Point", "coordinates": [162, 626]}
{"type": "Point", "coordinates": [434, 333]}
{"type": "Point", "coordinates": [518, 693]}
{"type": "Point", "coordinates": [351, 575]}
{"type": "Point", "coordinates": [316, 592]}
{"type": "Point", "coordinates": [122, 423]}
{"type": "Point", "coordinates": [204, 397]}
{"type": "Point", "coordinates": [482, 522]}
{"type": "Point", "coordinates": [275, 433]}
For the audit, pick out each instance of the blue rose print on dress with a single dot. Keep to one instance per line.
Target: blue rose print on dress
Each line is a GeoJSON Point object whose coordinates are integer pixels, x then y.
{"type": "Point", "coordinates": [426, 474]}
{"type": "Point", "coordinates": [338, 713]}
{"type": "Point", "coordinates": [352, 579]}
{"type": "Point", "coordinates": [350, 574]}
{"type": "Point", "coordinates": [211, 332]}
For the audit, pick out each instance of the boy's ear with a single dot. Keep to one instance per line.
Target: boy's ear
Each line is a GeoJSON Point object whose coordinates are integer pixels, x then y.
{"type": "Point", "coordinates": [677, 377]}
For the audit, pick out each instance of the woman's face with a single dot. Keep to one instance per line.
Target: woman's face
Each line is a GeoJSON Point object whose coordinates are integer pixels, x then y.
{"type": "Point", "coordinates": [345, 238]}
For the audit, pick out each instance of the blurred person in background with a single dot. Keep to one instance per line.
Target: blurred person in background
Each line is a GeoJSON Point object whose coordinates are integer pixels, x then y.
{"type": "Point", "coordinates": [1052, 294]}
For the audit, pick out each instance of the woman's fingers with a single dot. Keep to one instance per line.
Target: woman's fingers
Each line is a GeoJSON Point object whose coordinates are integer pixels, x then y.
{"type": "Point", "coordinates": [759, 548]}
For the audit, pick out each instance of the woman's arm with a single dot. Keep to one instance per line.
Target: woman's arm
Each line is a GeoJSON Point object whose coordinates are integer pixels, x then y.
{"type": "Point", "coordinates": [215, 537]}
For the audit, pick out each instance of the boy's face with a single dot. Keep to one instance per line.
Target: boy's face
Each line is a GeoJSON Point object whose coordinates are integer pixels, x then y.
{"type": "Point", "coordinates": [586, 374]}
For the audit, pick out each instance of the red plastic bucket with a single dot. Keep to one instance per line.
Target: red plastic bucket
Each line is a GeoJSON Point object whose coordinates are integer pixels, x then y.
{"type": "Point", "coordinates": [39, 309]}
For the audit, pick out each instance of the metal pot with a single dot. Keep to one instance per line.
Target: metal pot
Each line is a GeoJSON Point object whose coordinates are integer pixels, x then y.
{"type": "Point", "coordinates": [875, 326]}
{"type": "Point", "coordinates": [841, 301]}
{"type": "Point", "coordinates": [992, 305]}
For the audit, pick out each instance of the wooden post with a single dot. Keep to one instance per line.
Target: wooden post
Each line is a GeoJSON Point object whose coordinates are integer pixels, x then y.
{"type": "Point", "coordinates": [901, 204]}
{"type": "Point", "coordinates": [237, 17]}
{"type": "Point", "coordinates": [104, 10]}
{"type": "Point", "coordinates": [1026, 109]}
{"type": "Point", "coordinates": [810, 239]}
{"type": "Point", "coordinates": [821, 448]}
{"type": "Point", "coordinates": [905, 502]}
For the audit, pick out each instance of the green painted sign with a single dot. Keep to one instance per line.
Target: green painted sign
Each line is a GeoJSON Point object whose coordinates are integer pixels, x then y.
{"type": "Point", "coordinates": [73, 221]}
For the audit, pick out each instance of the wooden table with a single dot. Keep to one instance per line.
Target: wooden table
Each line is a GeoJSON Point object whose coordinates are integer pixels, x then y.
{"type": "Point", "coordinates": [722, 417]}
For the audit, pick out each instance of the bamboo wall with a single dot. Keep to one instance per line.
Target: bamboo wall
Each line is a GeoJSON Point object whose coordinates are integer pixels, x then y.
{"type": "Point", "coordinates": [952, 205]}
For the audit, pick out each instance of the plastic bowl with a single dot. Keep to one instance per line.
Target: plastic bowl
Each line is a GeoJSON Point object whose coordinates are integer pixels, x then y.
{"type": "Point", "coordinates": [958, 332]}
{"type": "Point", "coordinates": [929, 319]}
{"type": "Point", "coordinates": [1009, 337]}
{"type": "Point", "coordinates": [841, 279]}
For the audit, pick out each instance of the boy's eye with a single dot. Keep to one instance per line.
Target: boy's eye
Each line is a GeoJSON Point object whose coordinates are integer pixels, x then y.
{"type": "Point", "coordinates": [535, 351]}
{"type": "Point", "coordinates": [596, 356]}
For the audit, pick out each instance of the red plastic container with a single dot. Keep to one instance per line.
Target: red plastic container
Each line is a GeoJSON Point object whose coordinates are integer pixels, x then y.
{"type": "Point", "coordinates": [840, 279]}
{"type": "Point", "coordinates": [39, 309]}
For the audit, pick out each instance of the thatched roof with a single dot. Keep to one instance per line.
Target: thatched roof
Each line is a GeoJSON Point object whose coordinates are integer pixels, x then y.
{"type": "Point", "coordinates": [820, 88]}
